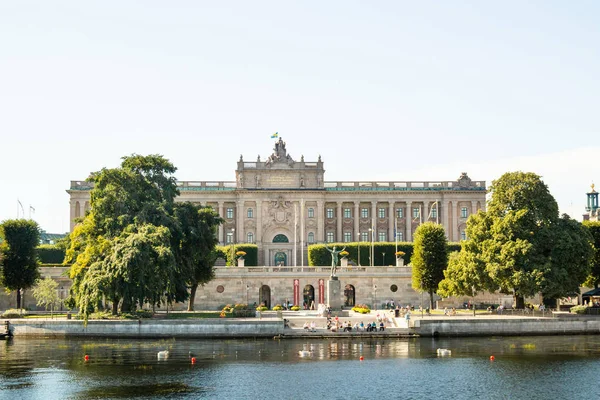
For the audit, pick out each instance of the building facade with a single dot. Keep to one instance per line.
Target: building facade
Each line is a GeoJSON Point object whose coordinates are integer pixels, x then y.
{"type": "Point", "coordinates": [283, 205]}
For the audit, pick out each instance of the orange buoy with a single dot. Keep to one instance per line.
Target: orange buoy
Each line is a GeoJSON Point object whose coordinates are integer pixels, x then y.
{"type": "Point", "coordinates": [492, 358]}
{"type": "Point", "coordinates": [86, 357]}
{"type": "Point", "coordinates": [361, 358]}
{"type": "Point", "coordinates": [193, 360]}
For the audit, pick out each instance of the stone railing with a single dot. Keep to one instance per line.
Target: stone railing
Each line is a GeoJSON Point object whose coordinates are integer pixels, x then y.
{"type": "Point", "coordinates": [403, 186]}
{"type": "Point", "coordinates": [321, 270]}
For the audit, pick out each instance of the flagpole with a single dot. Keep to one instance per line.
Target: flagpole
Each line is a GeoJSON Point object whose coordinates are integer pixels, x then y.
{"type": "Point", "coordinates": [302, 232]}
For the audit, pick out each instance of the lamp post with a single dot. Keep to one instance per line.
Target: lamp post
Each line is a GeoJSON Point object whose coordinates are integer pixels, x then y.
{"type": "Point", "coordinates": [371, 250]}
{"type": "Point", "coordinates": [473, 302]}
{"type": "Point", "coordinates": [247, 288]}
{"type": "Point", "coordinates": [358, 234]}
{"type": "Point", "coordinates": [383, 259]}
{"type": "Point", "coordinates": [421, 299]}
{"type": "Point", "coordinates": [233, 247]}
{"type": "Point", "coordinates": [375, 289]}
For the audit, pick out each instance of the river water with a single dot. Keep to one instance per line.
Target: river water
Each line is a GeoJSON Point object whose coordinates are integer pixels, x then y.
{"type": "Point", "coordinates": [558, 367]}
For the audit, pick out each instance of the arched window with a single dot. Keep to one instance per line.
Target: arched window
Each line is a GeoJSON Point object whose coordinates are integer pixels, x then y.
{"type": "Point", "coordinates": [250, 237]}
{"type": "Point", "coordinates": [280, 239]}
{"type": "Point", "coordinates": [311, 237]}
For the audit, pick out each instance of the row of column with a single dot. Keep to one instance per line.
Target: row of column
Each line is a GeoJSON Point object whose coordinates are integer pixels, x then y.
{"type": "Point", "coordinates": [450, 219]}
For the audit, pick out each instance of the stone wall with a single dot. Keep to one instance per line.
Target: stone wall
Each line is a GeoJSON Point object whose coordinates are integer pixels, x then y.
{"type": "Point", "coordinates": [150, 328]}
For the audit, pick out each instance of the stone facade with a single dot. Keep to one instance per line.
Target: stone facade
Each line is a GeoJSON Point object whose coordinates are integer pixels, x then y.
{"type": "Point", "coordinates": [283, 204]}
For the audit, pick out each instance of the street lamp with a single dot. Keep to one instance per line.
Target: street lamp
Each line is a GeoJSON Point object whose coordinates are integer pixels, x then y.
{"type": "Point", "coordinates": [473, 302]}
{"type": "Point", "coordinates": [421, 299]}
{"type": "Point", "coordinates": [371, 250]}
{"type": "Point", "coordinates": [375, 289]}
{"type": "Point", "coordinates": [233, 247]}
{"type": "Point", "coordinates": [358, 234]}
{"type": "Point", "coordinates": [383, 258]}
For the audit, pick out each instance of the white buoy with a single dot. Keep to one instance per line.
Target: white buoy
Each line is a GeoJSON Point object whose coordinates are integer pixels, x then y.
{"type": "Point", "coordinates": [162, 355]}
{"type": "Point", "coordinates": [304, 353]}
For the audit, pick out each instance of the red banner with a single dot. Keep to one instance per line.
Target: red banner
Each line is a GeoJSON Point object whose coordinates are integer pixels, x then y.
{"type": "Point", "coordinates": [296, 292]}
{"type": "Point", "coordinates": [321, 291]}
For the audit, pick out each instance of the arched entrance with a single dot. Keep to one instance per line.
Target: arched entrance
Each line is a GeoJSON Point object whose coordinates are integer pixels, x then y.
{"type": "Point", "coordinates": [309, 296]}
{"type": "Point", "coordinates": [280, 258]}
{"type": "Point", "coordinates": [264, 296]}
{"type": "Point", "coordinates": [349, 296]}
{"type": "Point", "coordinates": [280, 239]}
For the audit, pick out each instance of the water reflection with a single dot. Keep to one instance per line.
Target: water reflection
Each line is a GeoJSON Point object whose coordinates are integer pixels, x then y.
{"type": "Point", "coordinates": [55, 368]}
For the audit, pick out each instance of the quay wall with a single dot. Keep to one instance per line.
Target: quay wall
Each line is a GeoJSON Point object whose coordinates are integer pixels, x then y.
{"type": "Point", "coordinates": [208, 328]}
{"type": "Point", "coordinates": [506, 327]}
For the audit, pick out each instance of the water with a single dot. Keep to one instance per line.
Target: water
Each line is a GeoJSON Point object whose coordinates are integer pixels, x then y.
{"type": "Point", "coordinates": [524, 368]}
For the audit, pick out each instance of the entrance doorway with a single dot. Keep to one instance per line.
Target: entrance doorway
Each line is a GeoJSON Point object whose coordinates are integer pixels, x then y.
{"type": "Point", "coordinates": [309, 296]}
{"type": "Point", "coordinates": [349, 296]}
{"type": "Point", "coordinates": [264, 296]}
{"type": "Point", "coordinates": [280, 259]}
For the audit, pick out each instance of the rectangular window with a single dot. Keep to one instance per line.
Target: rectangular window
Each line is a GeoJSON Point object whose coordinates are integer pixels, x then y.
{"type": "Point", "coordinates": [382, 213]}
{"type": "Point", "coordinates": [434, 212]}
{"type": "Point", "coordinates": [250, 213]}
{"type": "Point", "coordinates": [311, 213]}
{"type": "Point", "coordinates": [250, 237]}
{"type": "Point", "coordinates": [330, 213]}
{"type": "Point", "coordinates": [330, 237]}
{"type": "Point", "coordinates": [364, 213]}
{"type": "Point", "coordinates": [229, 213]}
{"type": "Point", "coordinates": [364, 236]}
{"type": "Point", "coordinates": [311, 237]}
{"type": "Point", "coordinates": [347, 237]}
{"type": "Point", "coordinates": [229, 238]}
{"type": "Point", "coordinates": [382, 237]}
{"type": "Point", "coordinates": [464, 212]}
{"type": "Point", "coordinates": [400, 212]}
{"type": "Point", "coordinates": [347, 213]}
{"type": "Point", "coordinates": [400, 236]}
{"type": "Point", "coordinates": [463, 235]}
{"type": "Point", "coordinates": [416, 212]}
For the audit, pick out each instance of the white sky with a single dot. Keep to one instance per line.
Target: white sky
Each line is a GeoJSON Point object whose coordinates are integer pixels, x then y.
{"type": "Point", "coordinates": [397, 90]}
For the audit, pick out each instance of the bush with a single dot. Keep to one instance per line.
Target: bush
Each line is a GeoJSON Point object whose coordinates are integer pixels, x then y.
{"type": "Point", "coordinates": [14, 313]}
{"type": "Point", "coordinates": [50, 254]}
{"type": "Point", "coordinates": [578, 309]}
{"type": "Point", "coordinates": [144, 313]}
{"type": "Point", "coordinates": [251, 256]}
{"type": "Point", "coordinates": [295, 308]}
{"type": "Point", "coordinates": [277, 307]}
{"type": "Point", "coordinates": [262, 308]}
{"type": "Point", "coordinates": [361, 308]}
{"type": "Point", "coordinates": [227, 308]}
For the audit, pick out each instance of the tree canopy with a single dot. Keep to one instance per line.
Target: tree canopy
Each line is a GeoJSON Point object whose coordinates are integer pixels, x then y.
{"type": "Point", "coordinates": [593, 279]}
{"type": "Point", "coordinates": [20, 264]}
{"type": "Point", "coordinates": [136, 245]}
{"type": "Point", "coordinates": [430, 258]}
{"type": "Point", "coordinates": [520, 245]}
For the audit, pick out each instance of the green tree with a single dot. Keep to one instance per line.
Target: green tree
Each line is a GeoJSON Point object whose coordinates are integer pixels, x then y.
{"type": "Point", "coordinates": [519, 245]}
{"type": "Point", "coordinates": [593, 280]}
{"type": "Point", "coordinates": [196, 253]}
{"type": "Point", "coordinates": [45, 292]}
{"type": "Point", "coordinates": [19, 256]}
{"type": "Point", "coordinates": [125, 248]}
{"type": "Point", "coordinates": [430, 258]}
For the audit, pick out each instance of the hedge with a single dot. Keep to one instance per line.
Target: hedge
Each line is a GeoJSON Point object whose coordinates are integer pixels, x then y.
{"type": "Point", "coordinates": [318, 255]}
{"type": "Point", "coordinates": [50, 254]}
{"type": "Point", "coordinates": [251, 257]}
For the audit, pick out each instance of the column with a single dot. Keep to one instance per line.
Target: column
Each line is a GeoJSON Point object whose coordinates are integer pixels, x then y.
{"type": "Point", "coordinates": [259, 237]}
{"type": "Point", "coordinates": [72, 215]}
{"type": "Point", "coordinates": [455, 219]}
{"type": "Point", "coordinates": [425, 211]}
{"type": "Point", "coordinates": [339, 223]}
{"type": "Point", "coordinates": [408, 218]}
{"type": "Point", "coordinates": [220, 207]}
{"type": "Point", "coordinates": [391, 220]}
{"type": "Point", "coordinates": [473, 206]}
{"type": "Point", "coordinates": [356, 219]}
{"type": "Point", "coordinates": [239, 222]}
{"type": "Point", "coordinates": [320, 222]}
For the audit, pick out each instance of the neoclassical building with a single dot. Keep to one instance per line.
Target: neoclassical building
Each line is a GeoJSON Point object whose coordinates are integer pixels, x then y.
{"type": "Point", "coordinates": [283, 204]}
